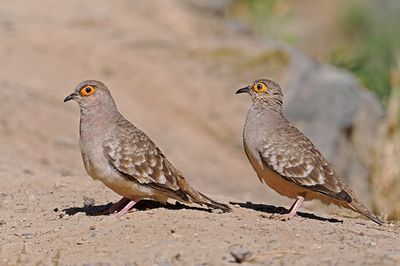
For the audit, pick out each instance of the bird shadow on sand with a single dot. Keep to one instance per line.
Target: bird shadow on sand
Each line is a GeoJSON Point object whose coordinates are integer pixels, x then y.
{"type": "Point", "coordinates": [143, 205]}
{"type": "Point", "coordinates": [281, 210]}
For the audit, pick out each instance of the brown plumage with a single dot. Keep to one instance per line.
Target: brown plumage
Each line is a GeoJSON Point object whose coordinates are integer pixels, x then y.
{"type": "Point", "coordinates": [286, 159]}
{"type": "Point", "coordinates": [124, 158]}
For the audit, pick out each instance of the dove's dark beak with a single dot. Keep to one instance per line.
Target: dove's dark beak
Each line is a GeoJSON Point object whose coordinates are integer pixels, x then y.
{"type": "Point", "coordinates": [70, 97]}
{"type": "Point", "coordinates": [243, 90]}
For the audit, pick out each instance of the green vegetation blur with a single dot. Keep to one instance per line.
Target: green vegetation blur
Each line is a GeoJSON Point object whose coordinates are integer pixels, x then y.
{"type": "Point", "coordinates": [362, 36]}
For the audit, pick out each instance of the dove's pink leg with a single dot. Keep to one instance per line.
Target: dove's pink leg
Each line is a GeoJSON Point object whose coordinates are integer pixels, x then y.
{"type": "Point", "coordinates": [116, 206]}
{"type": "Point", "coordinates": [126, 209]}
{"type": "Point", "coordinates": [295, 207]}
{"type": "Point", "coordinates": [293, 210]}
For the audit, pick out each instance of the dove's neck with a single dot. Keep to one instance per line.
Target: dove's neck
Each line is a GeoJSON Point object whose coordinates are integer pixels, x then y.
{"type": "Point", "coordinates": [264, 117]}
{"type": "Point", "coordinates": [96, 121]}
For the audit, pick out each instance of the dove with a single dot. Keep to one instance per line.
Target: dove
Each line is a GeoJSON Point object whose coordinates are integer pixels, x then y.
{"type": "Point", "coordinates": [122, 157]}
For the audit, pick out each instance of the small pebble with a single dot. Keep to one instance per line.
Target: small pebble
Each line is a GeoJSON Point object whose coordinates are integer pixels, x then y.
{"type": "Point", "coordinates": [28, 172]}
{"type": "Point", "coordinates": [217, 211]}
{"type": "Point", "coordinates": [88, 202]}
{"type": "Point", "coordinates": [27, 235]}
{"type": "Point", "coordinates": [241, 255]}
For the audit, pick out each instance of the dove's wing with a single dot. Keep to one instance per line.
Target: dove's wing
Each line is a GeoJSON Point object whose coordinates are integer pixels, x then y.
{"type": "Point", "coordinates": [291, 154]}
{"type": "Point", "coordinates": [134, 155]}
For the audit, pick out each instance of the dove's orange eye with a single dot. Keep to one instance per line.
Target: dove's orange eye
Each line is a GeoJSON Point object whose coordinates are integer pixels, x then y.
{"type": "Point", "coordinates": [260, 87]}
{"type": "Point", "coordinates": [87, 90]}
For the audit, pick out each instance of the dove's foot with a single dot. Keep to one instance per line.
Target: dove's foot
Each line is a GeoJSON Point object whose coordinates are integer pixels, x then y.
{"type": "Point", "coordinates": [128, 208]}
{"type": "Point", "coordinates": [292, 211]}
{"type": "Point", "coordinates": [119, 205]}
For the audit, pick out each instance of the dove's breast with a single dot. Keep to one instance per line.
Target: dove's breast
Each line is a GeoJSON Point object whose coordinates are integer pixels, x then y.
{"type": "Point", "coordinates": [99, 168]}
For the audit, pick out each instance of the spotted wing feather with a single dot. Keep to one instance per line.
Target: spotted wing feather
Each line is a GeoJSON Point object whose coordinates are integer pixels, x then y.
{"type": "Point", "coordinates": [293, 156]}
{"type": "Point", "coordinates": [133, 154]}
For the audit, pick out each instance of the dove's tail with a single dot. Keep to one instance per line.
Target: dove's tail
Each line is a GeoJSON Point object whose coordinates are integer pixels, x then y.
{"type": "Point", "coordinates": [200, 198]}
{"type": "Point", "coordinates": [213, 204]}
{"type": "Point", "coordinates": [357, 206]}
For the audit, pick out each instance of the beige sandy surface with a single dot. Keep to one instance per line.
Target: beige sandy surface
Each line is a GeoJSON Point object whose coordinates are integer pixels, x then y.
{"type": "Point", "coordinates": [165, 64]}
{"type": "Point", "coordinates": [45, 222]}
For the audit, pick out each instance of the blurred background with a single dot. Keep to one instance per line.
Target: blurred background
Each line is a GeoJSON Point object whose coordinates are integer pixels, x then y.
{"type": "Point", "coordinates": [173, 68]}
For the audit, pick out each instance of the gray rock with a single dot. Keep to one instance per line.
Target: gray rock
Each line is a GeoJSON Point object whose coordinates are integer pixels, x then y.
{"type": "Point", "coordinates": [337, 114]}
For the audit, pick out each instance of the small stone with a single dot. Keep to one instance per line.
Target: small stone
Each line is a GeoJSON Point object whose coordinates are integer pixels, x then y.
{"type": "Point", "coordinates": [92, 227]}
{"type": "Point", "coordinates": [88, 202]}
{"type": "Point", "coordinates": [27, 235]}
{"type": "Point", "coordinates": [28, 172]}
{"type": "Point", "coordinates": [55, 210]}
{"type": "Point", "coordinates": [177, 256]}
{"type": "Point", "coordinates": [241, 255]}
{"type": "Point", "coordinates": [217, 211]}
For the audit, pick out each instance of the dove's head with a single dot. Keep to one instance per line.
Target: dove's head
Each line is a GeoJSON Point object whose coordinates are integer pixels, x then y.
{"type": "Point", "coordinates": [265, 92]}
{"type": "Point", "coordinates": [92, 94]}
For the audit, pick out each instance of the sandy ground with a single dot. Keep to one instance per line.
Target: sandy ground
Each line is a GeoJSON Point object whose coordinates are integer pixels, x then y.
{"type": "Point", "coordinates": [54, 222]}
{"type": "Point", "coordinates": [165, 64]}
